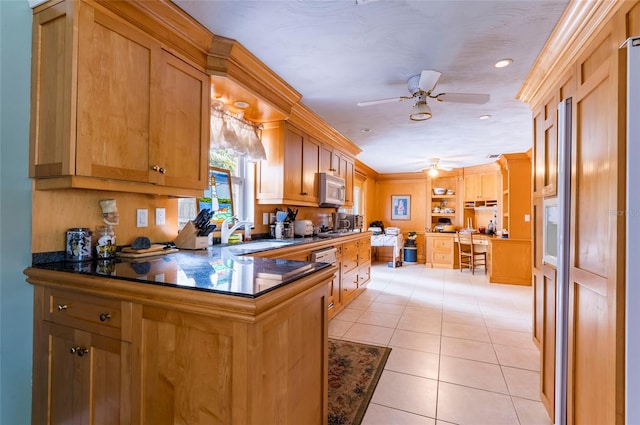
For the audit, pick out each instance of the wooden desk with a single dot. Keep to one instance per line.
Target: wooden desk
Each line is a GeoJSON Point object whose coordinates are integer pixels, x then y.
{"type": "Point", "coordinates": [509, 260]}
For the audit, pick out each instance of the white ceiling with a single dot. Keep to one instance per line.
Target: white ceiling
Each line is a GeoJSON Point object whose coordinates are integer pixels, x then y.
{"type": "Point", "coordinates": [338, 53]}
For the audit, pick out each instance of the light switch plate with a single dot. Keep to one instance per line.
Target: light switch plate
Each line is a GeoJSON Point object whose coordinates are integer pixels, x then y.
{"type": "Point", "coordinates": [160, 217]}
{"type": "Point", "coordinates": [527, 218]}
{"type": "Point", "coordinates": [142, 217]}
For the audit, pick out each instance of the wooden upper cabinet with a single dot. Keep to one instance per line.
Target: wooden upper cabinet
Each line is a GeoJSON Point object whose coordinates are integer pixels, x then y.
{"type": "Point", "coordinates": [301, 157]}
{"type": "Point", "coordinates": [289, 174]}
{"type": "Point", "coordinates": [328, 160]}
{"type": "Point", "coordinates": [481, 187]}
{"type": "Point", "coordinates": [338, 164]}
{"type": "Point", "coordinates": [114, 105]}
{"type": "Point", "coordinates": [180, 125]}
{"type": "Point", "coordinates": [346, 170]}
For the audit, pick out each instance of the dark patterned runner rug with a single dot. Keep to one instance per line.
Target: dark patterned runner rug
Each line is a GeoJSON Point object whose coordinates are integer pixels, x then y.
{"type": "Point", "coordinates": [354, 371]}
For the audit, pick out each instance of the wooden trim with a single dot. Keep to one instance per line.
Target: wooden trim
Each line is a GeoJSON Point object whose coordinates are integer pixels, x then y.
{"type": "Point", "coordinates": [81, 182]}
{"type": "Point", "coordinates": [168, 24]}
{"type": "Point", "coordinates": [244, 309]}
{"type": "Point", "coordinates": [305, 118]}
{"type": "Point", "coordinates": [579, 22]}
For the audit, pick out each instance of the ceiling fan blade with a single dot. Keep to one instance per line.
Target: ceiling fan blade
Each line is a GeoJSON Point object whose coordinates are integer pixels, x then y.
{"type": "Point", "coordinates": [478, 99]}
{"type": "Point", "coordinates": [388, 100]}
{"type": "Point", "coordinates": [428, 80]}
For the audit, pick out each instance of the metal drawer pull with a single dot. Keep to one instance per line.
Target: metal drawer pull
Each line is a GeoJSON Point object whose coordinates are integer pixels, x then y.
{"type": "Point", "coordinates": [104, 317]}
{"type": "Point", "coordinates": [62, 307]}
{"type": "Point", "coordinates": [80, 351]}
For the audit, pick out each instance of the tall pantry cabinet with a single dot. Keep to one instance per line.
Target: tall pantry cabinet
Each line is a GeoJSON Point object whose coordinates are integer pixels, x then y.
{"type": "Point", "coordinates": [590, 69]}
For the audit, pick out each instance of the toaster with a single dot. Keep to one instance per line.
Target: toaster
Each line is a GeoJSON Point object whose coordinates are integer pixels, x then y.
{"type": "Point", "coordinates": [303, 228]}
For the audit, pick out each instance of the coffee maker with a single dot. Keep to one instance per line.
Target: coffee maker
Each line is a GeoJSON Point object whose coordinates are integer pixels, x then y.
{"type": "Point", "coordinates": [340, 222]}
{"type": "Point", "coordinates": [356, 222]}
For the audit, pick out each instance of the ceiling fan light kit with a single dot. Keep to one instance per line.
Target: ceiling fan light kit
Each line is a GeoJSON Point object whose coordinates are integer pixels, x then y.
{"type": "Point", "coordinates": [421, 110]}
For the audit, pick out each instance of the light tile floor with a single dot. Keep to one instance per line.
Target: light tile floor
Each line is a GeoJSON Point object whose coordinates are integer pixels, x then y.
{"type": "Point", "coordinates": [461, 348]}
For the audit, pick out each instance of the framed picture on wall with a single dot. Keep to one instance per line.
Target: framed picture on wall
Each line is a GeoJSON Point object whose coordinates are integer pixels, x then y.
{"type": "Point", "coordinates": [400, 207]}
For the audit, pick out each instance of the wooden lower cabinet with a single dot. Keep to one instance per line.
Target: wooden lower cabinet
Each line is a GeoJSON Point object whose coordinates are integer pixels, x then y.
{"type": "Point", "coordinates": [356, 267]}
{"type": "Point", "coordinates": [441, 250]}
{"type": "Point", "coordinates": [86, 376]}
{"type": "Point", "coordinates": [353, 262]}
{"type": "Point", "coordinates": [510, 261]}
{"type": "Point", "coordinates": [108, 351]}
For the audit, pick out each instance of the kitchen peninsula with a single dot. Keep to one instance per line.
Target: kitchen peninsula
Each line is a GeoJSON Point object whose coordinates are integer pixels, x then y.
{"type": "Point", "coordinates": [189, 337]}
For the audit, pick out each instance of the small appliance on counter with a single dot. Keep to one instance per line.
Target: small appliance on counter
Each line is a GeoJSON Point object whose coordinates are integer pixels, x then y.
{"type": "Point", "coordinates": [303, 228]}
{"type": "Point", "coordinates": [356, 222]}
{"type": "Point", "coordinates": [340, 222]}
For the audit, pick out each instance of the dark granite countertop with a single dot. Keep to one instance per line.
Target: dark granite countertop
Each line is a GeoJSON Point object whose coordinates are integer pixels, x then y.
{"type": "Point", "coordinates": [225, 269]}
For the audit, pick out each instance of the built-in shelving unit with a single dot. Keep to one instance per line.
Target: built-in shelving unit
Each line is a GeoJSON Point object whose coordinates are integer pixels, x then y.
{"type": "Point", "coordinates": [447, 205]}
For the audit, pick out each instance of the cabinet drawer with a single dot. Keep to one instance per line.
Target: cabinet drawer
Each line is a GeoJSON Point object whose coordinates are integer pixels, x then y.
{"type": "Point", "coordinates": [94, 314]}
{"type": "Point", "coordinates": [443, 257]}
{"type": "Point", "coordinates": [443, 243]}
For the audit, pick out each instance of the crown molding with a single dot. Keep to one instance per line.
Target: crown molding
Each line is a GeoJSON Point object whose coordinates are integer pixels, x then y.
{"type": "Point", "coordinates": [578, 23]}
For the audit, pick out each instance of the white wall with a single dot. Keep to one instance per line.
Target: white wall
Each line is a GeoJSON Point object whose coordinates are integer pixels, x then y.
{"type": "Point", "coordinates": [16, 304]}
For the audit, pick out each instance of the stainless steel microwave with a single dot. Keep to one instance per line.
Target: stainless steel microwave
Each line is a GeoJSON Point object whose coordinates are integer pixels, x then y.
{"type": "Point", "coordinates": [332, 190]}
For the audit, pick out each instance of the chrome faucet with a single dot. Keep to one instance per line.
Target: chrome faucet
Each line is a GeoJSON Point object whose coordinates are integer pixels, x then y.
{"type": "Point", "coordinates": [227, 231]}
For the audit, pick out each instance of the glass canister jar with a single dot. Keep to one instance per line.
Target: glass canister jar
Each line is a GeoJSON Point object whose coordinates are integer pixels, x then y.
{"type": "Point", "coordinates": [78, 246]}
{"type": "Point", "coordinates": [105, 242]}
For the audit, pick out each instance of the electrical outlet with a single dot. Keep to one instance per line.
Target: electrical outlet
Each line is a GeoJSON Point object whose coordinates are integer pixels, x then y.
{"type": "Point", "coordinates": [265, 218]}
{"type": "Point", "coordinates": [160, 217]}
{"type": "Point", "coordinates": [142, 217]}
{"type": "Point", "coordinates": [527, 218]}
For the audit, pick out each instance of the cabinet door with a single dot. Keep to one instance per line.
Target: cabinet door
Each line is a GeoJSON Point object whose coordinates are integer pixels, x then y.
{"type": "Point", "coordinates": [334, 299]}
{"type": "Point", "coordinates": [115, 66]}
{"type": "Point", "coordinates": [293, 142]}
{"type": "Point", "coordinates": [349, 179]}
{"type": "Point", "coordinates": [180, 125]}
{"type": "Point", "coordinates": [489, 186]}
{"type": "Point", "coordinates": [326, 160]}
{"type": "Point", "coordinates": [50, 152]}
{"type": "Point", "coordinates": [84, 379]}
{"type": "Point", "coordinates": [472, 187]}
{"type": "Point", "coordinates": [301, 166]}
{"type": "Point", "coordinates": [310, 155]}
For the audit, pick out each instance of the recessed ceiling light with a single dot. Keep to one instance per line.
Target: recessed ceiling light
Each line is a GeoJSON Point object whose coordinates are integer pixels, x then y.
{"type": "Point", "coordinates": [240, 104]}
{"type": "Point", "coordinates": [503, 62]}
{"type": "Point", "coordinates": [365, 130]}
{"type": "Point", "coordinates": [485, 117]}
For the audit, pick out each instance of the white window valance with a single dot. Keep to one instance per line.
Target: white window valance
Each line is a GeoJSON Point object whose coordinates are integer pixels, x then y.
{"type": "Point", "coordinates": [235, 133]}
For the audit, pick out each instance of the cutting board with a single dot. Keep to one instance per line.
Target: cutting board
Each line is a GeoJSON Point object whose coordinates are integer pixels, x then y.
{"type": "Point", "coordinates": [155, 249]}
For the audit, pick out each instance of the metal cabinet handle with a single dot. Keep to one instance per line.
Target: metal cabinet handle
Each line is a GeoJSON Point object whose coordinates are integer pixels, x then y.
{"type": "Point", "coordinates": [80, 351]}
{"type": "Point", "coordinates": [159, 169]}
{"type": "Point", "coordinates": [104, 317]}
{"type": "Point", "coordinates": [62, 307]}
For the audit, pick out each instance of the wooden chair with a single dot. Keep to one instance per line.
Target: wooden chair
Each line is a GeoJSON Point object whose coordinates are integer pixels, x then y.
{"type": "Point", "coordinates": [469, 254]}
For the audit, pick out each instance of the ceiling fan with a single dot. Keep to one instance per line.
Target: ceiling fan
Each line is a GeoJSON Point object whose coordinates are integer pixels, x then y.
{"type": "Point", "coordinates": [433, 165]}
{"type": "Point", "coordinates": [421, 87]}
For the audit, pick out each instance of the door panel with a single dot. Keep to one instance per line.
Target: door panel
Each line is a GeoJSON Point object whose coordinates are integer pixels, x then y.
{"type": "Point", "coordinates": [114, 76]}
{"type": "Point", "coordinates": [595, 357]}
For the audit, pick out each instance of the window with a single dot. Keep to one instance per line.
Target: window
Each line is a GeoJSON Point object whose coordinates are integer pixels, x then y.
{"type": "Point", "coordinates": [242, 181]}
